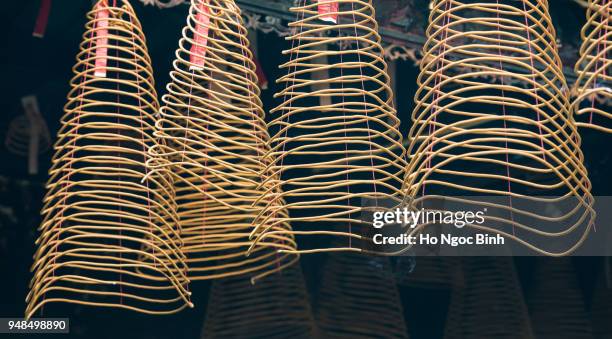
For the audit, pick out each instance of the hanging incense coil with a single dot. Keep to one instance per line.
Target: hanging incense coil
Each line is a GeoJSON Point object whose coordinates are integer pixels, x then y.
{"type": "Point", "coordinates": [275, 307]}
{"type": "Point", "coordinates": [358, 298]}
{"type": "Point", "coordinates": [511, 146]}
{"type": "Point", "coordinates": [18, 136]}
{"type": "Point", "coordinates": [102, 208]}
{"type": "Point", "coordinates": [334, 139]}
{"type": "Point", "coordinates": [212, 122]}
{"type": "Point", "coordinates": [593, 88]}
{"type": "Point", "coordinates": [491, 305]}
{"type": "Point", "coordinates": [555, 301]}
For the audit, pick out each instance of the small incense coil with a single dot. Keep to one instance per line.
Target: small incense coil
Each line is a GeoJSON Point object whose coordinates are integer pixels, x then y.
{"type": "Point", "coordinates": [491, 305]}
{"type": "Point", "coordinates": [213, 124]}
{"type": "Point", "coordinates": [275, 307]}
{"type": "Point", "coordinates": [335, 139]}
{"type": "Point", "coordinates": [510, 146]}
{"type": "Point", "coordinates": [593, 88]}
{"type": "Point", "coordinates": [555, 301]}
{"type": "Point", "coordinates": [18, 136]}
{"type": "Point", "coordinates": [358, 298]}
{"type": "Point", "coordinates": [102, 209]}
{"type": "Point", "coordinates": [430, 273]}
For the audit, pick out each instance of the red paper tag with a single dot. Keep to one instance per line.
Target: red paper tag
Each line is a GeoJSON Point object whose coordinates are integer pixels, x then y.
{"type": "Point", "coordinates": [262, 80]}
{"type": "Point", "coordinates": [42, 19]}
{"type": "Point", "coordinates": [101, 25]}
{"type": "Point", "coordinates": [328, 9]}
{"type": "Point", "coordinates": [198, 49]}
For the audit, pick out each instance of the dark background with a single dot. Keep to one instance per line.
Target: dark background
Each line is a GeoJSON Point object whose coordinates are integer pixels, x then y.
{"type": "Point", "coordinates": [43, 67]}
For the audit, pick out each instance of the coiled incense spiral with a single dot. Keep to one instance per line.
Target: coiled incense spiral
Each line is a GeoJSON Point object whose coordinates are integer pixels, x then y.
{"type": "Point", "coordinates": [358, 298]}
{"type": "Point", "coordinates": [491, 304]}
{"type": "Point", "coordinates": [276, 307]}
{"type": "Point", "coordinates": [19, 135]}
{"type": "Point", "coordinates": [552, 316]}
{"type": "Point", "coordinates": [215, 142]}
{"type": "Point", "coordinates": [593, 88]}
{"type": "Point", "coordinates": [334, 139]}
{"type": "Point", "coordinates": [508, 149]}
{"type": "Point", "coordinates": [102, 208]}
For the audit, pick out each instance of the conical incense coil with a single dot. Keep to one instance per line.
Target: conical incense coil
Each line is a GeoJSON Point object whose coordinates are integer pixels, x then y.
{"type": "Point", "coordinates": [102, 209]}
{"type": "Point", "coordinates": [593, 88]}
{"type": "Point", "coordinates": [212, 122]}
{"type": "Point", "coordinates": [275, 307]}
{"type": "Point", "coordinates": [358, 298]}
{"type": "Point", "coordinates": [555, 301]}
{"type": "Point", "coordinates": [334, 139]}
{"type": "Point", "coordinates": [491, 305]}
{"type": "Point", "coordinates": [511, 145]}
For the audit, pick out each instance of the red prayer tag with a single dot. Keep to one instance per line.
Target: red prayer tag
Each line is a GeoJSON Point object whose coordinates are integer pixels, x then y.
{"type": "Point", "coordinates": [101, 24]}
{"type": "Point", "coordinates": [261, 76]}
{"type": "Point", "coordinates": [198, 49]}
{"type": "Point", "coordinates": [328, 9]}
{"type": "Point", "coordinates": [42, 19]}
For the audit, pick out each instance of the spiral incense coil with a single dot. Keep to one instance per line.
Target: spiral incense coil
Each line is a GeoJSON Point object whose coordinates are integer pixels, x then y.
{"type": "Point", "coordinates": [102, 208]}
{"type": "Point", "coordinates": [275, 307]}
{"type": "Point", "coordinates": [328, 155]}
{"type": "Point", "coordinates": [491, 305]}
{"type": "Point", "coordinates": [358, 298]}
{"type": "Point", "coordinates": [593, 88]}
{"type": "Point", "coordinates": [431, 273]}
{"type": "Point", "coordinates": [18, 136]}
{"type": "Point", "coordinates": [555, 301]}
{"type": "Point", "coordinates": [212, 122]}
{"type": "Point", "coordinates": [510, 147]}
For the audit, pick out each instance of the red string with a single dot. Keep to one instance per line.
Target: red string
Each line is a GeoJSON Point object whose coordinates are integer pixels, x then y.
{"type": "Point", "coordinates": [64, 188]}
{"type": "Point", "coordinates": [436, 88]}
{"type": "Point", "coordinates": [365, 107]}
{"type": "Point", "coordinates": [348, 187]}
{"type": "Point", "coordinates": [604, 61]}
{"type": "Point", "coordinates": [533, 74]}
{"type": "Point", "coordinates": [501, 68]}
{"type": "Point", "coordinates": [292, 57]}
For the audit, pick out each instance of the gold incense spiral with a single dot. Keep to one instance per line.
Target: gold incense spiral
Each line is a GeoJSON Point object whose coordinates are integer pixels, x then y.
{"type": "Point", "coordinates": [510, 146]}
{"type": "Point", "coordinates": [593, 88]}
{"type": "Point", "coordinates": [102, 208]}
{"type": "Point", "coordinates": [213, 124]}
{"type": "Point", "coordinates": [334, 138]}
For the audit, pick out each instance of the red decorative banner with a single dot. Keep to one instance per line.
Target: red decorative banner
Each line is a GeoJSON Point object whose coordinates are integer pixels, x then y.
{"type": "Point", "coordinates": [329, 10]}
{"type": "Point", "coordinates": [101, 29]}
{"type": "Point", "coordinates": [43, 18]}
{"type": "Point", "coordinates": [198, 48]}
